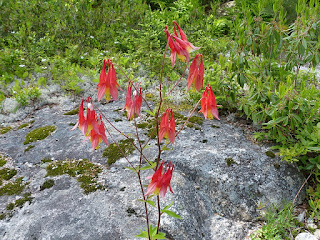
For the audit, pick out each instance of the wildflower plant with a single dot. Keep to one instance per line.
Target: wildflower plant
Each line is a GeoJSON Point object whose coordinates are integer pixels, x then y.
{"type": "Point", "coordinates": [92, 126]}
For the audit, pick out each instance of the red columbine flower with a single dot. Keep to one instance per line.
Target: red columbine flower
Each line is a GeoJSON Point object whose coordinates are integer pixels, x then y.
{"type": "Point", "coordinates": [167, 128]}
{"type": "Point", "coordinates": [90, 126]}
{"type": "Point", "coordinates": [209, 104]}
{"type": "Point", "coordinates": [160, 180]}
{"type": "Point", "coordinates": [108, 82]}
{"type": "Point", "coordinates": [179, 45]}
{"type": "Point", "coordinates": [196, 73]}
{"type": "Point", "coordinates": [97, 137]}
{"type": "Point", "coordinates": [133, 106]}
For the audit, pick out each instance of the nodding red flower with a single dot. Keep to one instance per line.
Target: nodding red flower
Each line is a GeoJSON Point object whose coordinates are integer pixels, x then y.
{"type": "Point", "coordinates": [90, 126]}
{"type": "Point", "coordinates": [196, 73]}
{"type": "Point", "coordinates": [167, 128]}
{"type": "Point", "coordinates": [108, 82]}
{"type": "Point", "coordinates": [179, 45]}
{"type": "Point", "coordinates": [209, 104]}
{"type": "Point", "coordinates": [160, 180]}
{"type": "Point", "coordinates": [133, 106]}
{"type": "Point", "coordinates": [97, 137]}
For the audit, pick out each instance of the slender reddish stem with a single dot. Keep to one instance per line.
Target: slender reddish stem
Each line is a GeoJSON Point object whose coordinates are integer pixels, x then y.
{"type": "Point", "coordinates": [133, 85]}
{"type": "Point", "coordinates": [178, 80]}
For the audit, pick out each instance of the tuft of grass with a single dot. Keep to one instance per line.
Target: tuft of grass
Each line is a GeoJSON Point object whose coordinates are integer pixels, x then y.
{"type": "Point", "coordinates": [39, 134]}
{"type": "Point", "coordinates": [280, 223]}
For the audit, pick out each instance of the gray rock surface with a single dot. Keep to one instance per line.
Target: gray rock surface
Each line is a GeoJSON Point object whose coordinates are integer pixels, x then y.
{"type": "Point", "coordinates": [305, 236]}
{"type": "Point", "coordinates": [216, 201]}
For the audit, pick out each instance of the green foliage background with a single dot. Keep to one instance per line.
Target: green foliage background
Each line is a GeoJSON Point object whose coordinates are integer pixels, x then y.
{"type": "Point", "coordinates": [255, 54]}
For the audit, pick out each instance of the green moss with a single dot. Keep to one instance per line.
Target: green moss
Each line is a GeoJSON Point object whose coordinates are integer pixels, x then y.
{"type": "Point", "coordinates": [112, 151]}
{"type": "Point", "coordinates": [39, 134]}
{"type": "Point", "coordinates": [196, 119]}
{"type": "Point", "coordinates": [7, 173]}
{"type": "Point", "coordinates": [4, 130]}
{"type": "Point", "coordinates": [149, 96]}
{"type": "Point", "coordinates": [71, 124]}
{"type": "Point", "coordinates": [2, 161]}
{"type": "Point", "coordinates": [230, 161]}
{"type": "Point", "coordinates": [131, 211]}
{"type": "Point", "coordinates": [23, 126]}
{"type": "Point", "coordinates": [118, 120]}
{"type": "Point", "coordinates": [179, 116]}
{"type": "Point", "coordinates": [270, 154]}
{"type": "Point", "coordinates": [214, 126]}
{"type": "Point", "coordinates": [21, 201]}
{"type": "Point", "coordinates": [85, 171]}
{"type": "Point", "coordinates": [46, 160]}
{"type": "Point", "coordinates": [29, 148]}
{"type": "Point", "coordinates": [12, 188]}
{"type": "Point", "coordinates": [276, 165]}
{"type": "Point", "coordinates": [10, 206]}
{"type": "Point", "coordinates": [72, 112]}
{"type": "Point", "coordinates": [143, 125]}
{"type": "Point", "coordinates": [2, 216]}
{"type": "Point", "coordinates": [88, 184]}
{"type": "Point", "coordinates": [47, 184]}
{"type": "Point", "coordinates": [190, 125]}
{"type": "Point", "coordinates": [204, 141]}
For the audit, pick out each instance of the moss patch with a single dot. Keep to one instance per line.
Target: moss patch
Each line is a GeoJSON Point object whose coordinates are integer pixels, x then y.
{"type": "Point", "coordinates": [46, 160]}
{"type": "Point", "coordinates": [112, 151]}
{"type": "Point", "coordinates": [196, 119]}
{"type": "Point", "coordinates": [270, 154]}
{"type": "Point", "coordinates": [21, 201]}
{"type": "Point", "coordinates": [214, 126]}
{"type": "Point", "coordinates": [230, 161]}
{"type": "Point", "coordinates": [72, 112]}
{"type": "Point", "coordinates": [4, 130]}
{"type": "Point", "coordinates": [85, 171]}
{"type": "Point", "coordinates": [12, 188]}
{"type": "Point", "coordinates": [39, 134]}
{"type": "Point", "coordinates": [2, 161]}
{"type": "Point", "coordinates": [47, 184]}
{"type": "Point", "coordinates": [29, 148]}
{"type": "Point", "coordinates": [7, 173]}
{"type": "Point", "coordinates": [18, 203]}
{"type": "Point", "coordinates": [23, 126]}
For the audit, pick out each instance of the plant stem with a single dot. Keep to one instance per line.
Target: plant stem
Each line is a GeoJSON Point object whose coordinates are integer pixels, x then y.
{"type": "Point", "coordinates": [159, 213]}
{"type": "Point", "coordinates": [145, 204]}
{"type": "Point", "coordinates": [178, 80]}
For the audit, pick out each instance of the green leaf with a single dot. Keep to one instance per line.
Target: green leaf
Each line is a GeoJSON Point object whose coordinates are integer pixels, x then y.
{"type": "Point", "coordinates": [151, 113]}
{"type": "Point", "coordinates": [172, 214]}
{"type": "Point", "coordinates": [304, 43]}
{"type": "Point", "coordinates": [314, 148]}
{"type": "Point", "coordinates": [159, 236]}
{"type": "Point", "coordinates": [132, 169]}
{"type": "Point", "coordinates": [166, 148]}
{"type": "Point", "coordinates": [167, 207]}
{"type": "Point", "coordinates": [143, 234]}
